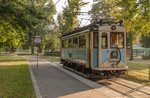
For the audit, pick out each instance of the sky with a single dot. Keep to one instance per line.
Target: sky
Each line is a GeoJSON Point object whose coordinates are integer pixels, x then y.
{"type": "Point", "coordinates": [85, 8]}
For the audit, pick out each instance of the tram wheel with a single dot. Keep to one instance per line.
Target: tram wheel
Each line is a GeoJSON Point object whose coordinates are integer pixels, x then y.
{"type": "Point", "coordinates": [67, 64]}
{"type": "Point", "coordinates": [117, 74]}
{"type": "Point", "coordinates": [71, 65]}
{"type": "Point", "coordinates": [64, 63]}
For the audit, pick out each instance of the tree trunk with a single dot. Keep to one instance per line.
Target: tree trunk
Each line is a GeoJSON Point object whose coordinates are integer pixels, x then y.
{"type": "Point", "coordinates": [131, 56]}
{"type": "Point", "coordinates": [131, 43]}
{"type": "Point", "coordinates": [32, 47]}
{"type": "Point", "coordinates": [12, 49]}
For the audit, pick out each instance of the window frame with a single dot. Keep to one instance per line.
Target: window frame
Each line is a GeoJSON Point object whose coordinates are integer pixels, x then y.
{"type": "Point", "coordinates": [77, 42]}
{"type": "Point", "coordinates": [62, 44]}
{"type": "Point", "coordinates": [107, 45]}
{"type": "Point", "coordinates": [95, 37]}
{"type": "Point", "coordinates": [66, 43]}
{"type": "Point", "coordinates": [123, 35]}
{"type": "Point", "coordinates": [84, 41]}
{"type": "Point", "coordinates": [70, 45]}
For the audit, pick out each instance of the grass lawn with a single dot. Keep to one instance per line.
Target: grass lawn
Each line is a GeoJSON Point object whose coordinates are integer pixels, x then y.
{"type": "Point", "coordinates": [15, 80]}
{"type": "Point", "coordinates": [137, 72]}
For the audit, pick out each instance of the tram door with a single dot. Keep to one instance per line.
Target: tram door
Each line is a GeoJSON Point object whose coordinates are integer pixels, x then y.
{"type": "Point", "coordinates": [104, 50]}
{"type": "Point", "coordinates": [95, 50]}
{"type": "Point", "coordinates": [88, 48]}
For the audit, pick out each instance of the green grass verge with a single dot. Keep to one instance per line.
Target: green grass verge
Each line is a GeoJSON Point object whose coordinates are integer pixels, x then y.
{"type": "Point", "coordinates": [15, 80]}
{"type": "Point", "coordinates": [137, 72]}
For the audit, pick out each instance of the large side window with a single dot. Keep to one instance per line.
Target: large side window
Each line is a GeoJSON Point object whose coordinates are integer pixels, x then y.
{"type": "Point", "coordinates": [62, 43]}
{"type": "Point", "coordinates": [82, 41]}
{"type": "Point", "coordinates": [75, 42]}
{"type": "Point", "coordinates": [65, 43]}
{"type": "Point", "coordinates": [70, 43]}
{"type": "Point", "coordinates": [104, 42]}
{"type": "Point", "coordinates": [116, 39]}
{"type": "Point", "coordinates": [95, 39]}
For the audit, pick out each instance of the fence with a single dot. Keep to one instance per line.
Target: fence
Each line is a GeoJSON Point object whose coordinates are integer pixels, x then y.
{"type": "Point", "coordinates": [140, 68]}
{"type": "Point", "coordinates": [52, 53]}
{"type": "Point", "coordinates": [23, 51]}
{"type": "Point", "coordinates": [144, 53]}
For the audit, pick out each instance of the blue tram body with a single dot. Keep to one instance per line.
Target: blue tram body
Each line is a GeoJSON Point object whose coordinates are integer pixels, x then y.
{"type": "Point", "coordinates": [77, 54]}
{"type": "Point", "coordinates": [98, 48]}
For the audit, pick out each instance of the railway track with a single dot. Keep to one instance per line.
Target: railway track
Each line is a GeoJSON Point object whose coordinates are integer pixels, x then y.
{"type": "Point", "coordinates": [125, 88]}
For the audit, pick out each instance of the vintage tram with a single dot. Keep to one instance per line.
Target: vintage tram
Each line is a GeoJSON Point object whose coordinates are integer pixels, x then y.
{"type": "Point", "coordinates": [98, 49]}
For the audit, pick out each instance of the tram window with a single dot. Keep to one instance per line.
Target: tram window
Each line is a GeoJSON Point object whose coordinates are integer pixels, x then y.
{"type": "Point", "coordinates": [70, 43]}
{"type": "Point", "coordinates": [75, 42]}
{"type": "Point", "coordinates": [116, 40]}
{"type": "Point", "coordinates": [104, 42]}
{"type": "Point", "coordinates": [95, 39]}
{"type": "Point", "coordinates": [66, 43]}
{"type": "Point", "coordinates": [62, 43]}
{"type": "Point", "coordinates": [82, 40]}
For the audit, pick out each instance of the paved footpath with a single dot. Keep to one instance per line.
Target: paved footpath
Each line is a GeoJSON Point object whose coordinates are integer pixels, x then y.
{"type": "Point", "coordinates": [51, 82]}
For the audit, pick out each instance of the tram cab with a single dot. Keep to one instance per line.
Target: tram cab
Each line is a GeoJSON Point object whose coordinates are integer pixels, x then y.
{"type": "Point", "coordinates": [109, 48]}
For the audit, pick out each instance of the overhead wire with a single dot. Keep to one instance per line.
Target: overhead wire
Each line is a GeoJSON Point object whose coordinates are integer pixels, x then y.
{"type": "Point", "coordinates": [79, 23]}
{"type": "Point", "coordinates": [55, 4]}
{"type": "Point", "coordinates": [80, 13]}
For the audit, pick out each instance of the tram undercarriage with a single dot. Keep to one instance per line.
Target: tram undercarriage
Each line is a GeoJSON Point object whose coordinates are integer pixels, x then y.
{"type": "Point", "coordinates": [90, 73]}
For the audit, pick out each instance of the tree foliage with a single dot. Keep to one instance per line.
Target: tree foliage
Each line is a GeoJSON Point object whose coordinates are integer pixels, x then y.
{"type": "Point", "coordinates": [134, 13]}
{"type": "Point", "coordinates": [136, 17]}
{"type": "Point", "coordinates": [20, 20]}
{"type": "Point", "coordinates": [52, 41]}
{"type": "Point", "coordinates": [68, 19]}
{"type": "Point", "coordinates": [145, 39]}
{"type": "Point", "coordinates": [100, 10]}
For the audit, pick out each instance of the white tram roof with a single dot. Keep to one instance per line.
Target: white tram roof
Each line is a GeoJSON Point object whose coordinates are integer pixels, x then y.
{"type": "Point", "coordinates": [93, 27]}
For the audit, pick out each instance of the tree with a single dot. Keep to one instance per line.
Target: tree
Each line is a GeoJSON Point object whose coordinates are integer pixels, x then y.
{"type": "Point", "coordinates": [13, 21]}
{"type": "Point", "coordinates": [100, 10]}
{"type": "Point", "coordinates": [19, 20]}
{"type": "Point", "coordinates": [47, 9]}
{"type": "Point", "coordinates": [145, 39]}
{"type": "Point", "coordinates": [134, 14]}
{"type": "Point", "coordinates": [68, 19]}
{"type": "Point", "coordinates": [52, 41]}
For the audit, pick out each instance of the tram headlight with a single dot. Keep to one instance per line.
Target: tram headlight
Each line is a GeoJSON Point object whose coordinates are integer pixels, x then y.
{"type": "Point", "coordinates": [113, 27]}
{"type": "Point", "coordinates": [114, 54]}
